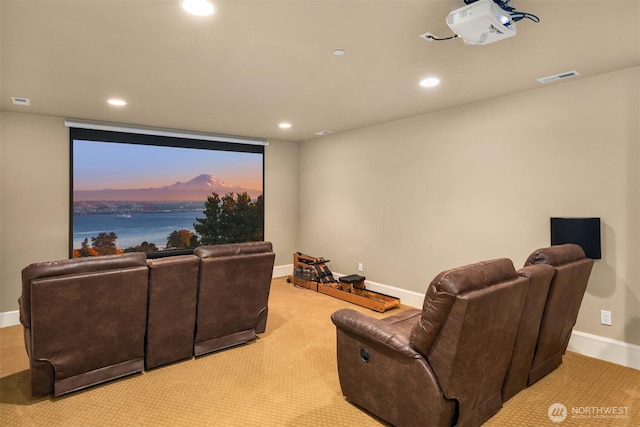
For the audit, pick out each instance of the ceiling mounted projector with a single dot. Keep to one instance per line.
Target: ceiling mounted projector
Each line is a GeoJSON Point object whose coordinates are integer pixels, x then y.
{"type": "Point", "coordinates": [481, 22]}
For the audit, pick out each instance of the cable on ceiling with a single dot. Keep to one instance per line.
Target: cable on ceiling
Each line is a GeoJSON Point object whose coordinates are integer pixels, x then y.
{"type": "Point", "coordinates": [436, 38]}
{"type": "Point", "coordinates": [515, 14]}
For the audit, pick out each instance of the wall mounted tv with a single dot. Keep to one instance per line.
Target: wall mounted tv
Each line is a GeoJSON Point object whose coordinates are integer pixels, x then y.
{"type": "Point", "coordinates": [584, 232]}
{"type": "Point", "coordinates": [162, 195]}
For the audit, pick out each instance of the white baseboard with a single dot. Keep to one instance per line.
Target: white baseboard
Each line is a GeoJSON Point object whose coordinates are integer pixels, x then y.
{"type": "Point", "coordinates": [606, 349]}
{"type": "Point", "coordinates": [9, 318]}
{"type": "Point", "coordinates": [282, 270]}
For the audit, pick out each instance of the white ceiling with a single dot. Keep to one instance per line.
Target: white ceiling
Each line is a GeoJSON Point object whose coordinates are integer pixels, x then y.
{"type": "Point", "coordinates": [256, 63]}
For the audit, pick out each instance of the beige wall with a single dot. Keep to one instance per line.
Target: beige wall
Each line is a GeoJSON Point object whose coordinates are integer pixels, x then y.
{"type": "Point", "coordinates": [34, 197]}
{"type": "Point", "coordinates": [413, 197]}
{"type": "Point", "coordinates": [408, 198]}
{"type": "Point", "coordinates": [281, 199]}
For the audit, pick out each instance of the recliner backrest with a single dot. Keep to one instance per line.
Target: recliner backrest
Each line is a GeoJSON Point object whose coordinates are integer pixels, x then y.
{"type": "Point", "coordinates": [442, 293]}
{"type": "Point", "coordinates": [572, 271]}
{"type": "Point", "coordinates": [73, 266]}
{"type": "Point", "coordinates": [85, 320]}
{"type": "Point", "coordinates": [230, 249]}
{"type": "Point", "coordinates": [467, 330]}
{"type": "Point", "coordinates": [171, 313]}
{"type": "Point", "coordinates": [233, 292]}
{"type": "Point", "coordinates": [540, 277]}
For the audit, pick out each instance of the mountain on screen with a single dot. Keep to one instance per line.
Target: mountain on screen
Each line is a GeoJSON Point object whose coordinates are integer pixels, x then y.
{"type": "Point", "coordinates": [196, 189]}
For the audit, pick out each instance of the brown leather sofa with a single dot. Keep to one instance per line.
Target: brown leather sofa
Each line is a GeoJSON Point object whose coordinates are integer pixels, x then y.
{"type": "Point", "coordinates": [235, 280]}
{"type": "Point", "coordinates": [444, 364]}
{"type": "Point", "coordinates": [84, 320]}
{"type": "Point", "coordinates": [90, 320]}
{"type": "Point", "coordinates": [567, 288]}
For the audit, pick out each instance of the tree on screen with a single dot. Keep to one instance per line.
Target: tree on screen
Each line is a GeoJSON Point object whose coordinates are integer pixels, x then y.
{"type": "Point", "coordinates": [85, 250]}
{"type": "Point", "coordinates": [143, 247]}
{"type": "Point", "coordinates": [105, 243]}
{"type": "Point", "coordinates": [208, 227]}
{"type": "Point", "coordinates": [181, 239]}
{"type": "Point", "coordinates": [232, 219]}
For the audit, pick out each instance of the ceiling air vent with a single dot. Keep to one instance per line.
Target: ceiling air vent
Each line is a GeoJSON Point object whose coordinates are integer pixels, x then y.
{"type": "Point", "coordinates": [560, 76]}
{"type": "Point", "coordinates": [20, 101]}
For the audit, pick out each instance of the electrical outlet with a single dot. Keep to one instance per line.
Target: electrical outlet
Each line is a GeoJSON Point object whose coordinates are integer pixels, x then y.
{"type": "Point", "coordinates": [360, 267]}
{"type": "Point", "coordinates": [605, 317]}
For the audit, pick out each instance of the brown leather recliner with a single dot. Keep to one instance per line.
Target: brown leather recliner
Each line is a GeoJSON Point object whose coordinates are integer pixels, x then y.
{"type": "Point", "coordinates": [233, 294]}
{"type": "Point", "coordinates": [171, 318]}
{"type": "Point", "coordinates": [540, 277]}
{"type": "Point", "coordinates": [444, 364]}
{"type": "Point", "coordinates": [84, 320]}
{"type": "Point", "coordinates": [572, 271]}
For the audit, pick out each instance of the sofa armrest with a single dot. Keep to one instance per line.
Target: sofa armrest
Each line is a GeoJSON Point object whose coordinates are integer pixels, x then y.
{"type": "Point", "coordinates": [375, 330]}
{"type": "Point", "coordinates": [23, 315]}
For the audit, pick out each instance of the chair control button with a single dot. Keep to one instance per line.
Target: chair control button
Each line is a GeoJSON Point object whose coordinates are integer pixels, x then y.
{"type": "Point", "coordinates": [364, 355]}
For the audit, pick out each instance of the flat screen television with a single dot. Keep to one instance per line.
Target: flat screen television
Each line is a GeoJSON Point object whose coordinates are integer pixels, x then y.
{"type": "Point", "coordinates": [162, 195]}
{"type": "Point", "coordinates": [584, 232]}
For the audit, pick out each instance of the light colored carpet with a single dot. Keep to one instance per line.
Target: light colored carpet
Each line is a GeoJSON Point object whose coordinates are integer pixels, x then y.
{"type": "Point", "coordinates": [288, 377]}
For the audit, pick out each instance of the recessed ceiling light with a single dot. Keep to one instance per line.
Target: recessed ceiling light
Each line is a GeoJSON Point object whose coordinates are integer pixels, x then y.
{"type": "Point", "coordinates": [322, 132]}
{"type": "Point", "coordinates": [430, 82]}
{"type": "Point", "coordinates": [338, 52]}
{"type": "Point", "coordinates": [284, 125]}
{"type": "Point", "coordinates": [117, 102]}
{"type": "Point", "coordinates": [198, 7]}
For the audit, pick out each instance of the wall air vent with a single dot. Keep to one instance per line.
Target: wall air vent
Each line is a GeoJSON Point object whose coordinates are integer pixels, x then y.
{"type": "Point", "coordinates": [560, 76]}
{"type": "Point", "coordinates": [20, 101]}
